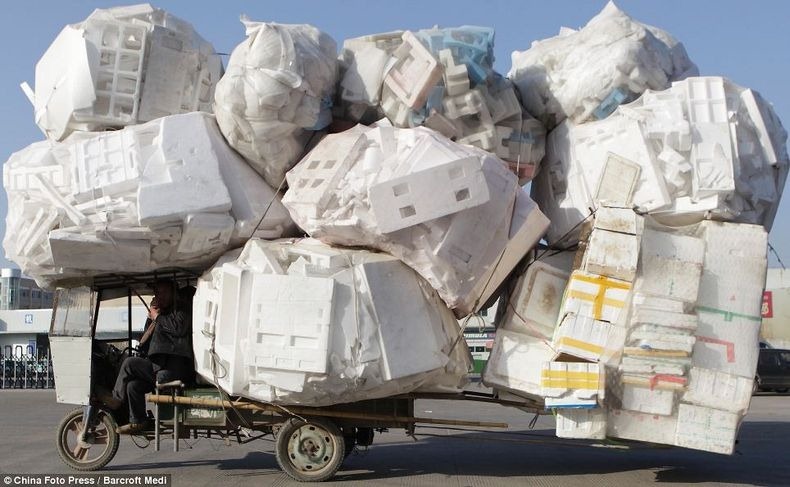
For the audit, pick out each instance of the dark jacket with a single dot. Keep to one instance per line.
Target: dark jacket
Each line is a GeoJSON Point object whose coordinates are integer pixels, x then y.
{"type": "Point", "coordinates": [173, 335]}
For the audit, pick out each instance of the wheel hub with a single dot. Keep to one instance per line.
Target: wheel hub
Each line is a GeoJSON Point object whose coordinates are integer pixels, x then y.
{"type": "Point", "coordinates": [310, 448]}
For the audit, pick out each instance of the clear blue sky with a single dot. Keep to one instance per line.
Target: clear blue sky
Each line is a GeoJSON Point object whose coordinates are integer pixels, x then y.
{"type": "Point", "coordinates": [748, 42]}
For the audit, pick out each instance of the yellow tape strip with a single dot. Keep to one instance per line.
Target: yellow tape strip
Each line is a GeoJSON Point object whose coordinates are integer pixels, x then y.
{"type": "Point", "coordinates": [569, 384]}
{"type": "Point", "coordinates": [569, 374]}
{"type": "Point", "coordinates": [602, 281]}
{"type": "Point", "coordinates": [599, 301]}
{"type": "Point", "coordinates": [586, 346]}
{"type": "Point", "coordinates": [654, 353]}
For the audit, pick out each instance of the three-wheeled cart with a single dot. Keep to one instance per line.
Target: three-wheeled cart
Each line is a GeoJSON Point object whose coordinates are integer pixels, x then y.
{"type": "Point", "coordinates": [310, 442]}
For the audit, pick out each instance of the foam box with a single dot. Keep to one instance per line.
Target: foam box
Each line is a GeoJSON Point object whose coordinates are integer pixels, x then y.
{"type": "Point", "coordinates": [646, 400]}
{"type": "Point", "coordinates": [714, 389]}
{"type": "Point", "coordinates": [534, 306]}
{"type": "Point", "coordinates": [670, 265]}
{"type": "Point", "coordinates": [516, 361]}
{"type": "Point", "coordinates": [572, 384]}
{"type": "Point", "coordinates": [589, 424]}
{"type": "Point", "coordinates": [589, 339]}
{"type": "Point", "coordinates": [633, 425]}
{"type": "Point", "coordinates": [616, 219]}
{"type": "Point", "coordinates": [708, 429]}
{"type": "Point", "coordinates": [598, 297]}
{"type": "Point", "coordinates": [612, 254]}
{"type": "Point", "coordinates": [727, 343]}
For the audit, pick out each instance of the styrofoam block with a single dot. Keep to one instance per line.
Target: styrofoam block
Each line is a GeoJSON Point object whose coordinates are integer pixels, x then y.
{"type": "Point", "coordinates": [428, 194]}
{"type": "Point", "coordinates": [92, 253]}
{"type": "Point", "coordinates": [757, 109]}
{"type": "Point", "coordinates": [402, 356]}
{"type": "Point", "coordinates": [719, 390]}
{"type": "Point", "coordinates": [726, 342]}
{"type": "Point", "coordinates": [363, 78]}
{"type": "Point", "coordinates": [534, 306]}
{"type": "Point", "coordinates": [26, 178]}
{"type": "Point", "coordinates": [646, 400]}
{"type": "Point", "coordinates": [205, 230]}
{"type": "Point", "coordinates": [618, 181]}
{"type": "Point", "coordinates": [185, 173]}
{"type": "Point", "coordinates": [733, 285]}
{"type": "Point", "coordinates": [501, 100]}
{"type": "Point", "coordinates": [654, 366]}
{"type": "Point", "coordinates": [588, 339]}
{"type": "Point", "coordinates": [414, 72]}
{"type": "Point", "coordinates": [670, 265]}
{"type": "Point", "coordinates": [612, 254]}
{"type": "Point", "coordinates": [706, 99]}
{"type": "Point", "coordinates": [616, 219]}
{"type": "Point", "coordinates": [597, 297]}
{"type": "Point", "coordinates": [642, 315]}
{"type": "Point", "coordinates": [572, 384]}
{"type": "Point", "coordinates": [456, 79]}
{"type": "Point", "coordinates": [516, 361]}
{"type": "Point", "coordinates": [122, 67]}
{"type": "Point", "coordinates": [107, 164]}
{"type": "Point", "coordinates": [733, 239]}
{"type": "Point", "coordinates": [586, 423]}
{"type": "Point", "coordinates": [290, 323]}
{"type": "Point", "coordinates": [633, 425]}
{"type": "Point", "coordinates": [466, 104]}
{"type": "Point", "coordinates": [712, 159]}
{"type": "Point", "coordinates": [642, 302]}
{"type": "Point", "coordinates": [708, 429]}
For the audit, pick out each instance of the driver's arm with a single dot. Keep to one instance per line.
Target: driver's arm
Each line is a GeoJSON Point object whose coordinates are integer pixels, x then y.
{"type": "Point", "coordinates": [174, 323]}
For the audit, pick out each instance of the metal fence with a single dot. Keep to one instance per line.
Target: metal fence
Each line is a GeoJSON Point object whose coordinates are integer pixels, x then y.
{"type": "Point", "coordinates": [23, 369]}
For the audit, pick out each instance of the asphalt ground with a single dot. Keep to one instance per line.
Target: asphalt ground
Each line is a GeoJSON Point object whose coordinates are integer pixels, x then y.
{"type": "Point", "coordinates": [439, 456]}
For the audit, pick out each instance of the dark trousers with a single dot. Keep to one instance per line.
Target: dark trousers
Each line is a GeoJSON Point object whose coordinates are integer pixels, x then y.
{"type": "Point", "coordinates": [138, 377]}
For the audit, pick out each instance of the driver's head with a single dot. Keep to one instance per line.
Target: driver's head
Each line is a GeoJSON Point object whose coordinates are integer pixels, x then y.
{"type": "Point", "coordinates": [164, 292]}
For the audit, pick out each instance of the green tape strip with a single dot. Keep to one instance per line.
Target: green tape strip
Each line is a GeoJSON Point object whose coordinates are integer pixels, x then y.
{"type": "Point", "coordinates": [728, 315]}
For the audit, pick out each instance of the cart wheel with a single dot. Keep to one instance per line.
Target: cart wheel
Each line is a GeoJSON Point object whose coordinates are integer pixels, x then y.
{"type": "Point", "coordinates": [100, 446]}
{"type": "Point", "coordinates": [310, 451]}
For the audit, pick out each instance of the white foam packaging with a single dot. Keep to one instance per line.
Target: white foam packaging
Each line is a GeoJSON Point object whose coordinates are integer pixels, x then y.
{"type": "Point", "coordinates": [299, 322]}
{"type": "Point", "coordinates": [572, 384]}
{"type": "Point", "coordinates": [719, 390]}
{"type": "Point", "coordinates": [534, 305]}
{"type": "Point", "coordinates": [581, 423]}
{"type": "Point", "coordinates": [585, 74]}
{"type": "Point", "coordinates": [647, 400]}
{"type": "Point", "coordinates": [441, 78]}
{"type": "Point", "coordinates": [586, 338]}
{"type": "Point", "coordinates": [634, 425]}
{"type": "Point", "coordinates": [670, 265]}
{"type": "Point", "coordinates": [612, 254]}
{"type": "Point", "coordinates": [708, 429]}
{"type": "Point", "coordinates": [598, 297]}
{"type": "Point", "coordinates": [166, 193]}
{"type": "Point", "coordinates": [276, 92]}
{"type": "Point", "coordinates": [677, 144]}
{"type": "Point", "coordinates": [516, 361]}
{"type": "Point", "coordinates": [122, 66]}
{"type": "Point", "coordinates": [488, 222]}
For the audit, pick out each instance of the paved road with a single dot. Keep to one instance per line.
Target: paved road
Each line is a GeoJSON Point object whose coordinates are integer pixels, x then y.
{"type": "Point", "coordinates": [441, 457]}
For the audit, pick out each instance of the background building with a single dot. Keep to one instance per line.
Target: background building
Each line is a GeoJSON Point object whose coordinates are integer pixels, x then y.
{"type": "Point", "coordinates": [17, 292]}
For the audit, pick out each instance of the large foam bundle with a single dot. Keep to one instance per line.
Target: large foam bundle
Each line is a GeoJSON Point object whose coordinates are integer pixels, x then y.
{"type": "Point", "coordinates": [453, 213]}
{"type": "Point", "coordinates": [276, 91]}
{"type": "Point", "coordinates": [655, 337]}
{"type": "Point", "coordinates": [166, 193]}
{"type": "Point", "coordinates": [442, 79]}
{"type": "Point", "coordinates": [122, 66]}
{"type": "Point", "coordinates": [705, 148]}
{"type": "Point", "coordinates": [298, 322]}
{"type": "Point", "coordinates": [585, 74]}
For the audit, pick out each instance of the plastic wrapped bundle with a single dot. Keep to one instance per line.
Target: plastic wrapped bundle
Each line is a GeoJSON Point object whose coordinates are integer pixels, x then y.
{"type": "Point", "coordinates": [162, 194]}
{"type": "Point", "coordinates": [584, 75]}
{"type": "Point", "coordinates": [298, 322]}
{"type": "Point", "coordinates": [122, 66]}
{"type": "Point", "coordinates": [442, 79]}
{"type": "Point", "coordinates": [454, 213]}
{"type": "Point", "coordinates": [277, 90]}
{"type": "Point", "coordinates": [678, 154]}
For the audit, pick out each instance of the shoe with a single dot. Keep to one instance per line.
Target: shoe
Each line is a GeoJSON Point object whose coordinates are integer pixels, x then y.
{"type": "Point", "coordinates": [133, 428]}
{"type": "Point", "coordinates": [108, 400]}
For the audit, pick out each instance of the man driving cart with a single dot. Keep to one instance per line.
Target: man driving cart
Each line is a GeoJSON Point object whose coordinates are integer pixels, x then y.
{"type": "Point", "coordinates": [167, 341]}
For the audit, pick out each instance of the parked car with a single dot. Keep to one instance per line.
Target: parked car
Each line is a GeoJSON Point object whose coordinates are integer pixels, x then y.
{"type": "Point", "coordinates": [773, 370]}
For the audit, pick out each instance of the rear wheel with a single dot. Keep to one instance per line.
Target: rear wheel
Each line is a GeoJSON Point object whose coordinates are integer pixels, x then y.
{"type": "Point", "coordinates": [310, 451]}
{"type": "Point", "coordinates": [99, 446]}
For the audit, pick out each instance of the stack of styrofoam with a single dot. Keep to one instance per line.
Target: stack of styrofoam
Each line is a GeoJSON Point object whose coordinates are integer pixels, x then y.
{"type": "Point", "coordinates": [166, 193]}
{"type": "Point", "coordinates": [705, 148]}
{"type": "Point", "coordinates": [583, 75]}
{"type": "Point", "coordinates": [454, 213]}
{"type": "Point", "coordinates": [299, 322]}
{"type": "Point", "coordinates": [276, 92]}
{"type": "Point", "coordinates": [122, 66]}
{"type": "Point", "coordinates": [442, 79]}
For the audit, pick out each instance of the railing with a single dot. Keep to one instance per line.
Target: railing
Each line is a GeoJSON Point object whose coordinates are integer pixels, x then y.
{"type": "Point", "coordinates": [25, 370]}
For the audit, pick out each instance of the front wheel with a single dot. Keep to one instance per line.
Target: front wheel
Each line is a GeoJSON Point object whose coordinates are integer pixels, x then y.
{"type": "Point", "coordinates": [310, 451]}
{"type": "Point", "coordinates": [99, 446]}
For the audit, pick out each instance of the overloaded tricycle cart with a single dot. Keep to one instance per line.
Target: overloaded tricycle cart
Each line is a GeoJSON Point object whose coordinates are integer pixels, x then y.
{"type": "Point", "coordinates": [311, 442]}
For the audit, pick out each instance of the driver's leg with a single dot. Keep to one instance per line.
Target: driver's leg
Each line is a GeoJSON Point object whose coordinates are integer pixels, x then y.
{"type": "Point", "coordinates": [131, 369]}
{"type": "Point", "coordinates": [136, 390]}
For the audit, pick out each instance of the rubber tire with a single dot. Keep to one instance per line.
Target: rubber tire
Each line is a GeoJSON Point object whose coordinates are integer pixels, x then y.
{"type": "Point", "coordinates": [290, 427]}
{"type": "Point", "coordinates": [781, 390]}
{"type": "Point", "coordinates": [113, 441]}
